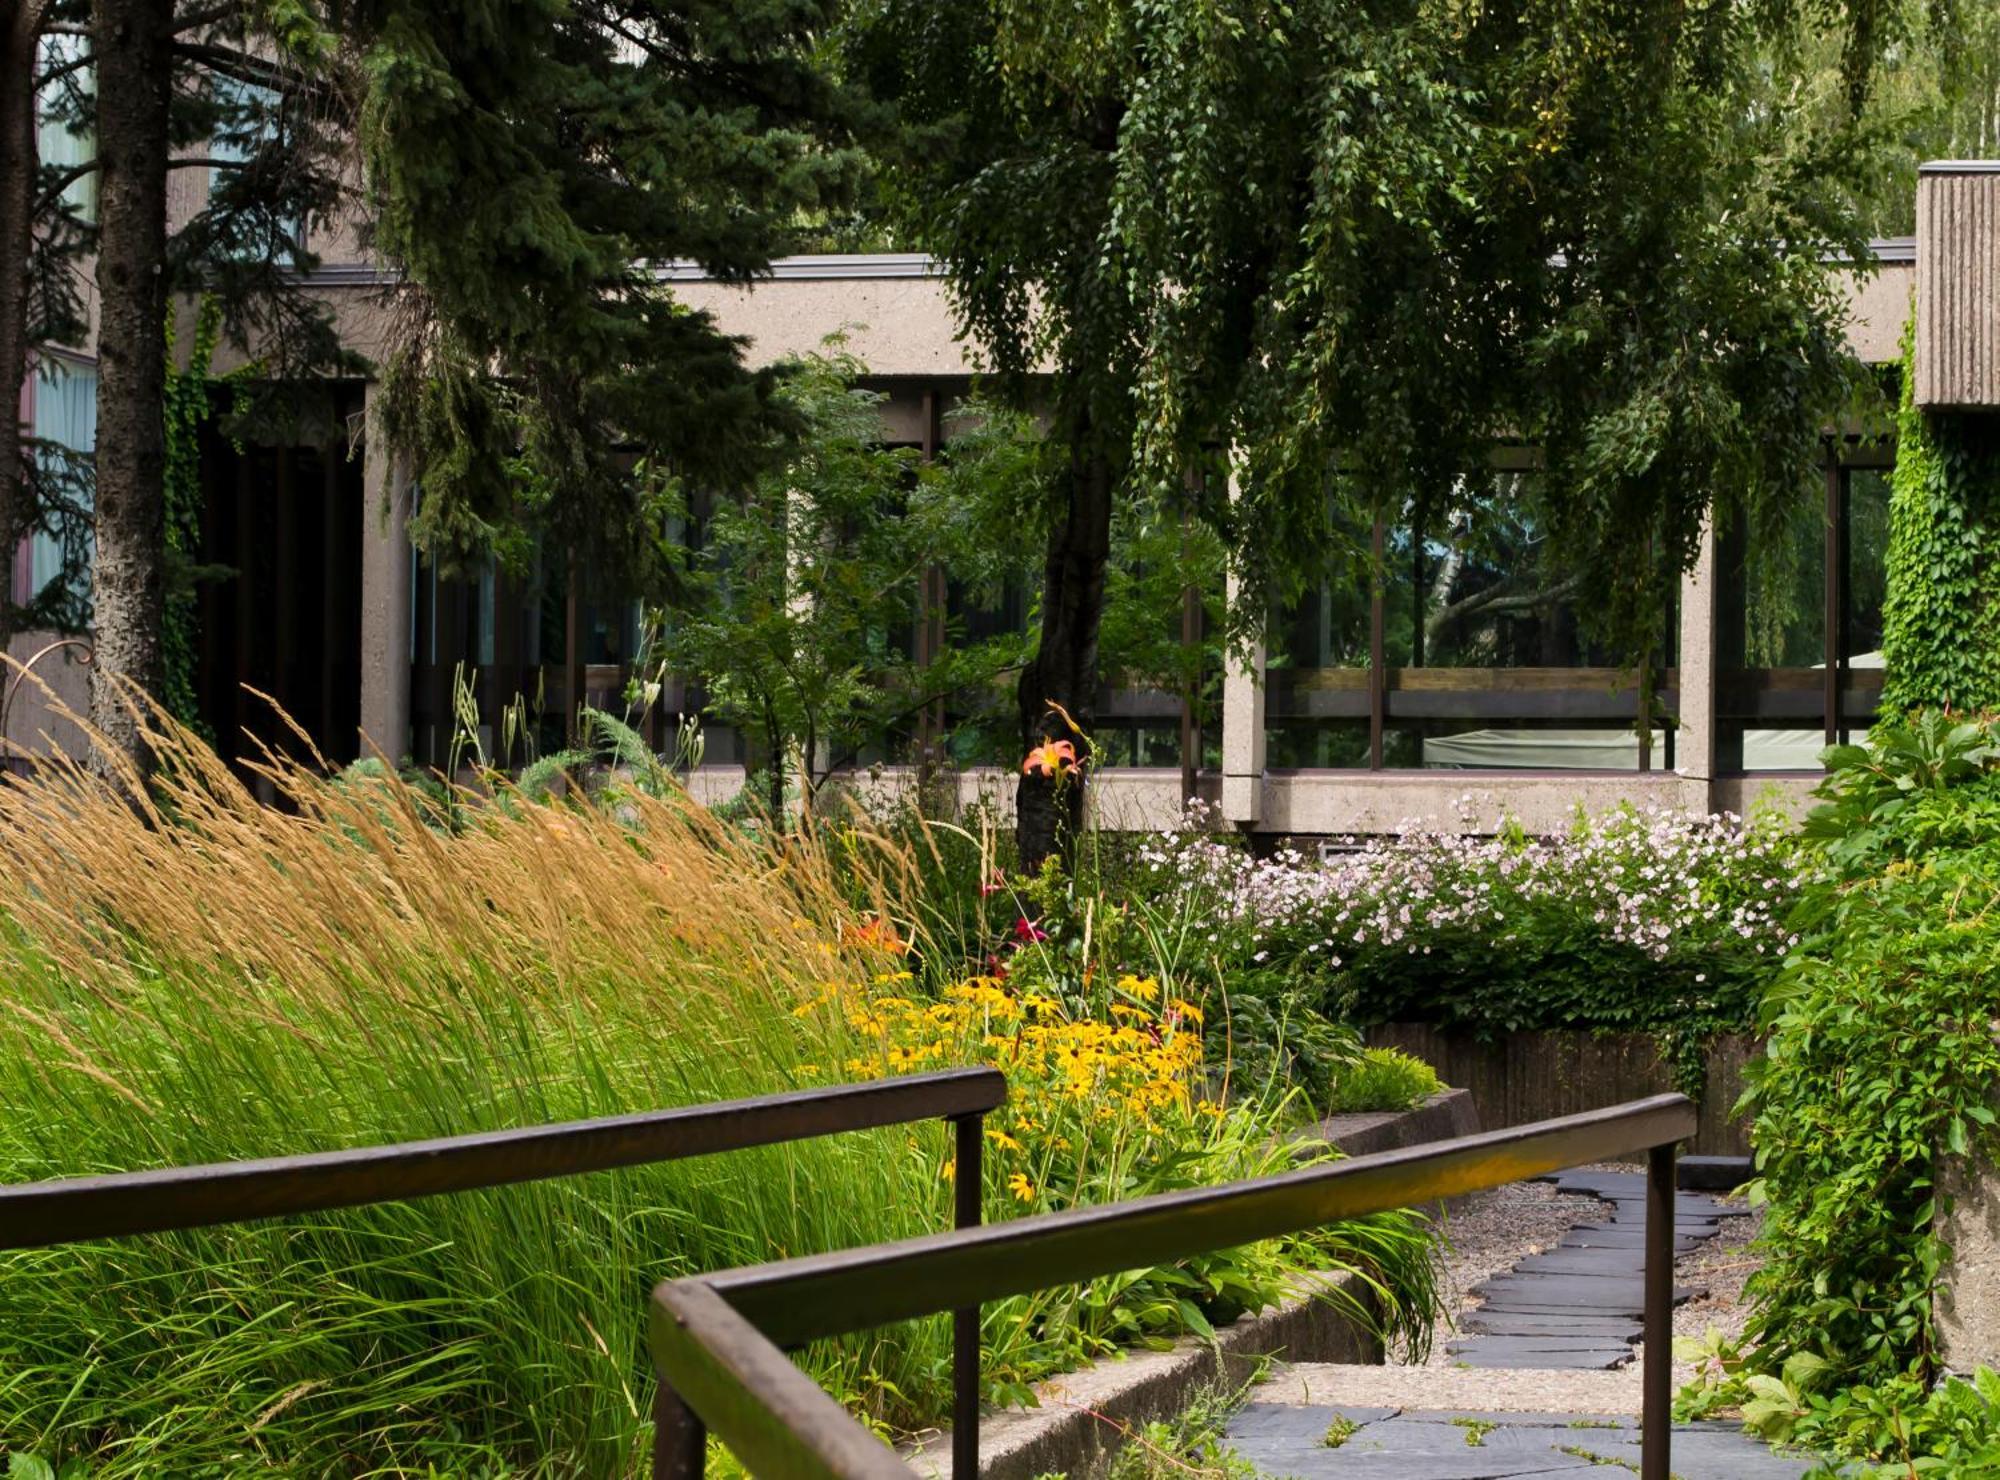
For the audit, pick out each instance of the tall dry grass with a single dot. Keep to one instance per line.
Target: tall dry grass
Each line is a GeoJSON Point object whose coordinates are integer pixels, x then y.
{"type": "Point", "coordinates": [198, 977]}
{"type": "Point", "coordinates": [187, 975]}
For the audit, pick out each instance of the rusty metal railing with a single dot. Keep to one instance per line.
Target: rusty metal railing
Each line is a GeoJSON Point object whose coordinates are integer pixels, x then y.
{"type": "Point", "coordinates": [36, 1214]}
{"type": "Point", "coordinates": [718, 1339]}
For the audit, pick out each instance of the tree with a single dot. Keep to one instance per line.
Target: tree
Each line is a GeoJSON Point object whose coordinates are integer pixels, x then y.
{"type": "Point", "coordinates": [135, 83]}
{"type": "Point", "coordinates": [796, 596]}
{"type": "Point", "coordinates": [249, 95]}
{"type": "Point", "coordinates": [1382, 237]}
{"type": "Point", "coordinates": [533, 168]}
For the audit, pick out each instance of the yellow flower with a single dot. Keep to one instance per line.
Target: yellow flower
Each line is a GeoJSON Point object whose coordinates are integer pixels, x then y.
{"type": "Point", "coordinates": [1021, 1187]}
{"type": "Point", "coordinates": [1145, 988]}
{"type": "Point", "coordinates": [951, 1169]}
{"type": "Point", "coordinates": [1004, 1141]}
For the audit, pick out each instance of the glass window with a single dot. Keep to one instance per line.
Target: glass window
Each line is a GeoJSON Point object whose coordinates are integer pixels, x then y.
{"type": "Point", "coordinates": [248, 118]}
{"type": "Point", "coordinates": [1773, 641]}
{"type": "Point", "coordinates": [65, 138]}
{"type": "Point", "coordinates": [1486, 664]}
{"type": "Point", "coordinates": [66, 425]}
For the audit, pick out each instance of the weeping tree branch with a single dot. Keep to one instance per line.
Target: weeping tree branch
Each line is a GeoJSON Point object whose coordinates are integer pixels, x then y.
{"type": "Point", "coordinates": [1501, 597]}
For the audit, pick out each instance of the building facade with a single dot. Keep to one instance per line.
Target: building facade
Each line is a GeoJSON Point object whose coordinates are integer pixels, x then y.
{"type": "Point", "coordinates": [1364, 708]}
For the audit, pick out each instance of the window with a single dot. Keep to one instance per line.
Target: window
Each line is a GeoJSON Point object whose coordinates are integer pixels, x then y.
{"type": "Point", "coordinates": [249, 117]}
{"type": "Point", "coordinates": [60, 548]}
{"type": "Point", "coordinates": [1468, 655]}
{"type": "Point", "coordinates": [1799, 624]}
{"type": "Point", "coordinates": [65, 138]}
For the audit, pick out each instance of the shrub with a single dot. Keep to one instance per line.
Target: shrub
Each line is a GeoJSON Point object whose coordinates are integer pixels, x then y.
{"type": "Point", "coordinates": [1385, 1079]}
{"type": "Point", "coordinates": [1653, 921]}
{"type": "Point", "coordinates": [1882, 1060]}
{"type": "Point", "coordinates": [210, 979]}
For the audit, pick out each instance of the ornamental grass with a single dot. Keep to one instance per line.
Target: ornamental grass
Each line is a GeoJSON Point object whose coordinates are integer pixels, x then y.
{"type": "Point", "coordinates": [199, 977]}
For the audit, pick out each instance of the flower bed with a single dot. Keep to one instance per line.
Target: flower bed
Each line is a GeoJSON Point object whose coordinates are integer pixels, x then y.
{"type": "Point", "coordinates": [1656, 921]}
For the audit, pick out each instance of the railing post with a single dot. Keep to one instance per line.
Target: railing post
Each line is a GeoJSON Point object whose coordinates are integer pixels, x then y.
{"type": "Point", "coordinates": [680, 1442]}
{"type": "Point", "coordinates": [967, 1184]}
{"type": "Point", "coordinates": [1657, 1415]}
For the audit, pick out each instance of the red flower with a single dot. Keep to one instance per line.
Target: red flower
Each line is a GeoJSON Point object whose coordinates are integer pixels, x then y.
{"type": "Point", "coordinates": [1028, 932]}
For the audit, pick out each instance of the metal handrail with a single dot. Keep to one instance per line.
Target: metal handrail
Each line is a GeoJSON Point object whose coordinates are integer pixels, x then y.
{"type": "Point", "coordinates": [33, 1214]}
{"type": "Point", "coordinates": [36, 1214]}
{"type": "Point", "coordinates": [717, 1338]}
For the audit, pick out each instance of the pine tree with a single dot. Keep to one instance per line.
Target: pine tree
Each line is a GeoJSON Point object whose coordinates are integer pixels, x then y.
{"type": "Point", "coordinates": [252, 95]}
{"type": "Point", "coordinates": [531, 168]}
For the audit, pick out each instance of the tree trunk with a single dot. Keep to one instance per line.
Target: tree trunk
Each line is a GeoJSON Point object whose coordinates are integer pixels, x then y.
{"type": "Point", "coordinates": [18, 163]}
{"type": "Point", "coordinates": [1049, 811]}
{"type": "Point", "coordinates": [134, 81]}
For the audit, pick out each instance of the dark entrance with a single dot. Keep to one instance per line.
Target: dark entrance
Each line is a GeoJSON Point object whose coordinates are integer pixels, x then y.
{"type": "Point", "coordinates": [280, 598]}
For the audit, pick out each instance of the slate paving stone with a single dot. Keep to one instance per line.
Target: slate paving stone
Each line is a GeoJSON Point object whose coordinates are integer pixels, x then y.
{"type": "Point", "coordinates": [1599, 1262]}
{"type": "Point", "coordinates": [1627, 1329]}
{"type": "Point", "coordinates": [1384, 1444]}
{"type": "Point", "coordinates": [1626, 1295]}
{"type": "Point", "coordinates": [1634, 1239]}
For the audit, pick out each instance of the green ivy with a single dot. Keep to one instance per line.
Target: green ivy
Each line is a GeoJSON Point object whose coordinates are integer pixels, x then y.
{"type": "Point", "coordinates": [1941, 617]}
{"type": "Point", "coordinates": [187, 405]}
{"type": "Point", "coordinates": [1882, 1064]}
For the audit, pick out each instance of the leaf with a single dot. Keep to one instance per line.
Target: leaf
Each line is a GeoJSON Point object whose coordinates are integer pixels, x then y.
{"type": "Point", "coordinates": [1195, 1320]}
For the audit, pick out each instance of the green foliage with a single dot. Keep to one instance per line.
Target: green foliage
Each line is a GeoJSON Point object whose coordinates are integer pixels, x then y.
{"type": "Point", "coordinates": [1192, 1446]}
{"type": "Point", "coordinates": [1882, 1062]}
{"type": "Point", "coordinates": [1385, 1079]}
{"type": "Point", "coordinates": [1941, 616]}
{"type": "Point", "coordinates": [1888, 1430]}
{"type": "Point", "coordinates": [1313, 237]}
{"type": "Point", "coordinates": [531, 168]}
{"type": "Point", "coordinates": [794, 602]}
{"type": "Point", "coordinates": [1885, 801]}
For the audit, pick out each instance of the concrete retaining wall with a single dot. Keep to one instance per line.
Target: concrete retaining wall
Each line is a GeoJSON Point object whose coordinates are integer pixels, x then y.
{"type": "Point", "coordinates": [1536, 1075]}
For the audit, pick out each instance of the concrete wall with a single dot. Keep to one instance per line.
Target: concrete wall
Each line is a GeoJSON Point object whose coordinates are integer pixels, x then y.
{"type": "Point", "coordinates": [1536, 1076]}
{"type": "Point", "coordinates": [1958, 286]}
{"type": "Point", "coordinates": [58, 681]}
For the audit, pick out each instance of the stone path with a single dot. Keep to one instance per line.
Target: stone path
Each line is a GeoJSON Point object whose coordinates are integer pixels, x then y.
{"type": "Point", "coordinates": [1579, 1305]}
{"type": "Point", "coordinates": [1335, 1442]}
{"type": "Point", "coordinates": [1556, 1329]}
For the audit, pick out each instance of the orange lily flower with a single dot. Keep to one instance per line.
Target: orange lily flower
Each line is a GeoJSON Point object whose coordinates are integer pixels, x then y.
{"type": "Point", "coordinates": [1050, 758]}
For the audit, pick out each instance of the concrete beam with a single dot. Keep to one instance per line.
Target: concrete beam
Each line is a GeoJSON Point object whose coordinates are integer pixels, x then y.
{"type": "Point", "coordinates": [385, 597]}
{"type": "Point", "coordinates": [1694, 743]}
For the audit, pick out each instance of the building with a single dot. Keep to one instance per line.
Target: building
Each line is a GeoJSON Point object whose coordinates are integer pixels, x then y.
{"type": "Point", "coordinates": [1359, 714]}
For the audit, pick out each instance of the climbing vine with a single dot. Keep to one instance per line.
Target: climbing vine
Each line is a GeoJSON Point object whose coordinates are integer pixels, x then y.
{"type": "Point", "coordinates": [1941, 616]}
{"type": "Point", "coordinates": [187, 406]}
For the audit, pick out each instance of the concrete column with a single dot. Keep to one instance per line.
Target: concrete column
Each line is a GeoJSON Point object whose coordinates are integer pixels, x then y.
{"type": "Point", "coordinates": [385, 597]}
{"type": "Point", "coordinates": [1242, 718]}
{"type": "Point", "coordinates": [1695, 743]}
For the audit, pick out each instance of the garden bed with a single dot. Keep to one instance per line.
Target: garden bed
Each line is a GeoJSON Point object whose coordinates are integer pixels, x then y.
{"type": "Point", "coordinates": [1083, 1415]}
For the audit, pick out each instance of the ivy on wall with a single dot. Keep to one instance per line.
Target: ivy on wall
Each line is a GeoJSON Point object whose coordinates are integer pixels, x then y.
{"type": "Point", "coordinates": [1941, 614]}
{"type": "Point", "coordinates": [187, 406]}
